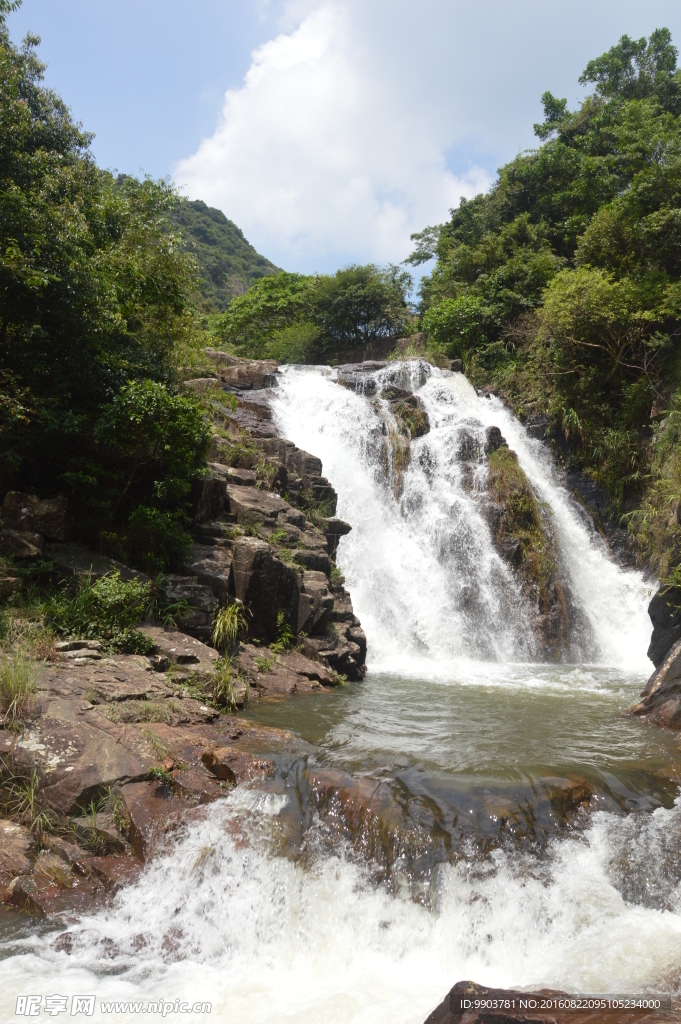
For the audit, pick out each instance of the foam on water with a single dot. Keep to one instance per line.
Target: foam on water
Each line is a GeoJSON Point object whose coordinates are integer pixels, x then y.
{"type": "Point", "coordinates": [264, 939]}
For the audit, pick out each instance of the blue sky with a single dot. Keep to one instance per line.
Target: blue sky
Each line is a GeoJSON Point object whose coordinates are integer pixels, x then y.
{"type": "Point", "coordinates": [327, 130]}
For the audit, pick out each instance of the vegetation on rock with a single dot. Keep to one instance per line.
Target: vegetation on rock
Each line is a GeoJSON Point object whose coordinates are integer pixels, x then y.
{"type": "Point", "coordinates": [228, 264]}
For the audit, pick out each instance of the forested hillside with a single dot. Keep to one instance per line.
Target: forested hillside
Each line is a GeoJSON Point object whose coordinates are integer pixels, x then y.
{"type": "Point", "coordinates": [228, 264]}
{"type": "Point", "coordinates": [561, 286]}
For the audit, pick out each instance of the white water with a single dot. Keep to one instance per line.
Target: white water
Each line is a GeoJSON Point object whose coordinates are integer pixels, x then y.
{"type": "Point", "coordinates": [265, 939]}
{"type": "Point", "coordinates": [425, 578]}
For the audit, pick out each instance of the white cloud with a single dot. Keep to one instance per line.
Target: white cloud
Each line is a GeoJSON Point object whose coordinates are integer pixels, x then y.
{"type": "Point", "coordinates": [320, 157]}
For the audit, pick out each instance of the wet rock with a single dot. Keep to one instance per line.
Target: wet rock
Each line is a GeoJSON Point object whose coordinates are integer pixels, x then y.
{"type": "Point", "coordinates": [115, 872]}
{"type": "Point", "coordinates": [232, 765]}
{"type": "Point", "coordinates": [334, 529]}
{"type": "Point", "coordinates": [469, 1003]}
{"type": "Point", "coordinates": [665, 614]}
{"type": "Point", "coordinates": [26, 512]}
{"type": "Point", "coordinates": [154, 811]}
{"type": "Point", "coordinates": [494, 440]}
{"type": "Point", "coordinates": [661, 698]}
{"type": "Point", "coordinates": [357, 376]}
{"type": "Point", "coordinates": [456, 365]}
{"type": "Point", "coordinates": [21, 543]}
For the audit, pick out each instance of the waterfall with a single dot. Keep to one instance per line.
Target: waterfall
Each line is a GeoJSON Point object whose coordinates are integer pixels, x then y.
{"type": "Point", "coordinates": [427, 582]}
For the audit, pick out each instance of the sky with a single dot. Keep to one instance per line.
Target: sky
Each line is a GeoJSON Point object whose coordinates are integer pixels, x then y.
{"type": "Point", "coordinates": [328, 131]}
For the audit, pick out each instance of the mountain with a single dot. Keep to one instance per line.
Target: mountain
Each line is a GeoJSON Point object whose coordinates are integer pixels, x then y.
{"type": "Point", "coordinates": [228, 263]}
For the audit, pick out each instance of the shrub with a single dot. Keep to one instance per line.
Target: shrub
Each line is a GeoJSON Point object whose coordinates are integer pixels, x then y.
{"type": "Point", "coordinates": [106, 610]}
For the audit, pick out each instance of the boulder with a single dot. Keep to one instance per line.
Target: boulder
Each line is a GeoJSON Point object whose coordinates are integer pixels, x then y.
{"type": "Point", "coordinates": [16, 843]}
{"type": "Point", "coordinates": [209, 494]}
{"type": "Point", "coordinates": [48, 517]}
{"type": "Point", "coordinates": [468, 1003]}
{"type": "Point", "coordinates": [250, 506]}
{"type": "Point", "coordinates": [661, 698]}
{"type": "Point", "coordinates": [232, 765]}
{"type": "Point", "coordinates": [154, 811]}
{"type": "Point", "coordinates": [21, 543]}
{"type": "Point", "coordinates": [183, 650]}
{"type": "Point", "coordinates": [665, 614]}
{"type": "Point", "coordinates": [257, 373]}
{"type": "Point", "coordinates": [265, 585]}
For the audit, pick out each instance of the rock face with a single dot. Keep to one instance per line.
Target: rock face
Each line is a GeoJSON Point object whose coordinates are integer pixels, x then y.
{"type": "Point", "coordinates": [468, 1003]}
{"type": "Point", "coordinates": [665, 615]}
{"type": "Point", "coordinates": [661, 699]}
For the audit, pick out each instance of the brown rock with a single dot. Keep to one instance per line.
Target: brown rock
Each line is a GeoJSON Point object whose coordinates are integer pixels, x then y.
{"type": "Point", "coordinates": [235, 766]}
{"type": "Point", "coordinates": [315, 602]}
{"type": "Point", "coordinates": [154, 811]}
{"type": "Point", "coordinates": [504, 1006]}
{"type": "Point", "coordinates": [16, 842]}
{"type": "Point", "coordinates": [49, 517]}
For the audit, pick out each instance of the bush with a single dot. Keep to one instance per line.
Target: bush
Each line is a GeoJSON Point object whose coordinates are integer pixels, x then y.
{"type": "Point", "coordinates": [106, 610]}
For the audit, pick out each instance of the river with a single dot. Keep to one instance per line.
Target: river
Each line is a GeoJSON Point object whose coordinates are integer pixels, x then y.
{"type": "Point", "coordinates": [273, 911]}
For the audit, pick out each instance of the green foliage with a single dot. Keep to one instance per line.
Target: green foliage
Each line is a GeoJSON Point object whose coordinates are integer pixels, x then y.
{"type": "Point", "coordinates": [230, 624]}
{"type": "Point", "coordinates": [17, 687]}
{"type": "Point", "coordinates": [293, 318]}
{"type": "Point", "coordinates": [94, 286]}
{"type": "Point", "coordinates": [106, 610]}
{"type": "Point", "coordinates": [457, 325]}
{"type": "Point", "coordinates": [228, 264]}
{"type": "Point", "coordinates": [562, 285]}
{"type": "Point", "coordinates": [285, 635]}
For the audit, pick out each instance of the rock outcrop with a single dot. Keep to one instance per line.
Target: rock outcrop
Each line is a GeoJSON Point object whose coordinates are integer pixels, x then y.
{"type": "Point", "coordinates": [124, 749]}
{"type": "Point", "coordinates": [660, 701]}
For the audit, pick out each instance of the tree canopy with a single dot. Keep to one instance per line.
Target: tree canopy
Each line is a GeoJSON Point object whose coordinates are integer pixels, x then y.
{"type": "Point", "coordinates": [93, 295]}
{"type": "Point", "coordinates": [298, 318]}
{"type": "Point", "coordinates": [561, 286]}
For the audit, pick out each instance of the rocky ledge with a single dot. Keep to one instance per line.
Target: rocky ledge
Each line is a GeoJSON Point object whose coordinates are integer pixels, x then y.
{"type": "Point", "coordinates": [120, 751]}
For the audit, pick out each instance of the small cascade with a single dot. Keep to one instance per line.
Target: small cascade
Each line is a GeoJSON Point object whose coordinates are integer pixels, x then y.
{"type": "Point", "coordinates": [428, 582]}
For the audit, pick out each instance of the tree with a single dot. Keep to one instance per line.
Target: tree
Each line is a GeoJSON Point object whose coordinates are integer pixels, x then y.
{"type": "Point", "coordinates": [93, 296]}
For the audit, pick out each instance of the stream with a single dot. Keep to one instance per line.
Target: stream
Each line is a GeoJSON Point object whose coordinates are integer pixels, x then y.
{"type": "Point", "coordinates": [492, 872]}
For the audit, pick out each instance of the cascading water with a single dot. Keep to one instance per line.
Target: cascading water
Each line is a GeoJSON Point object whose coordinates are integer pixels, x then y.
{"type": "Point", "coordinates": [459, 718]}
{"type": "Point", "coordinates": [425, 577]}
